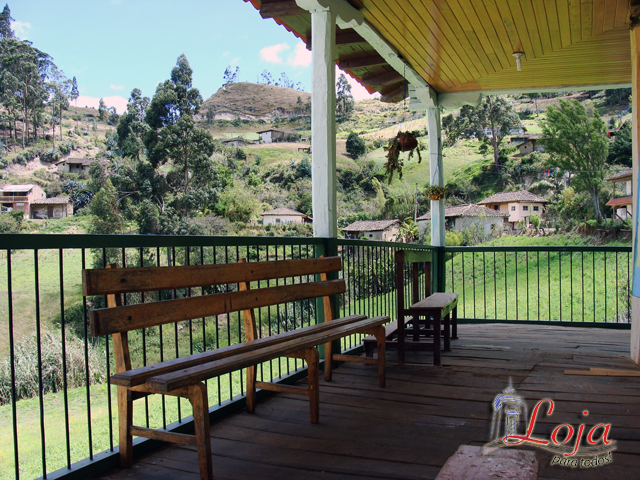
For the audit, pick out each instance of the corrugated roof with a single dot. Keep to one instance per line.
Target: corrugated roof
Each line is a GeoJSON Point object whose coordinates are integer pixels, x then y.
{"type": "Point", "coordinates": [236, 139]}
{"type": "Point", "coordinates": [621, 175]}
{"type": "Point", "coordinates": [620, 201]}
{"type": "Point", "coordinates": [470, 210]}
{"type": "Point", "coordinates": [520, 196]}
{"type": "Point", "coordinates": [80, 161]}
{"type": "Point", "coordinates": [369, 225]}
{"type": "Point", "coordinates": [284, 211]}
{"type": "Point", "coordinates": [271, 130]}
{"type": "Point", "coordinates": [52, 201]}
{"type": "Point", "coordinates": [17, 188]}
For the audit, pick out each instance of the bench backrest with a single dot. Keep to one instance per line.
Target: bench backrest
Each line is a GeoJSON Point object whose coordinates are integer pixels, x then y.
{"type": "Point", "coordinates": [118, 319]}
{"type": "Point", "coordinates": [415, 258]}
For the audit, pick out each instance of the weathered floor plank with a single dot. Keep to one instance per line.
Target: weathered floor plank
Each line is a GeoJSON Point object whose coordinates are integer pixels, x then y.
{"type": "Point", "coordinates": [410, 428]}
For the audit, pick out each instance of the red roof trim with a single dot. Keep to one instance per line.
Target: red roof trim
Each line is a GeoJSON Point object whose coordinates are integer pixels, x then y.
{"type": "Point", "coordinates": [620, 201]}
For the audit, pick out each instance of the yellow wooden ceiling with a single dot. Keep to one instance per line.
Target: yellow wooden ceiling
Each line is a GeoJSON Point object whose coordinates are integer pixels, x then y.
{"type": "Point", "coordinates": [468, 45]}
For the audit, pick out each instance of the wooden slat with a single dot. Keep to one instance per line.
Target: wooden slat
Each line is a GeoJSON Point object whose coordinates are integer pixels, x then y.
{"type": "Point", "coordinates": [576, 21]}
{"type": "Point", "coordinates": [543, 25]}
{"type": "Point", "coordinates": [382, 80]}
{"type": "Point", "coordinates": [133, 317]}
{"type": "Point", "coordinates": [597, 25]}
{"type": "Point", "coordinates": [188, 376]}
{"type": "Point", "coordinates": [531, 50]}
{"type": "Point", "coordinates": [280, 387]}
{"type": "Point", "coordinates": [285, 8]}
{"type": "Point", "coordinates": [360, 62]}
{"type": "Point", "coordinates": [487, 22]}
{"type": "Point", "coordinates": [604, 372]}
{"type": "Point", "coordinates": [554, 24]}
{"type": "Point", "coordinates": [564, 20]}
{"type": "Point", "coordinates": [586, 16]}
{"type": "Point", "coordinates": [609, 15]}
{"type": "Point", "coordinates": [622, 13]}
{"type": "Point", "coordinates": [476, 30]}
{"type": "Point", "coordinates": [144, 279]}
{"type": "Point", "coordinates": [179, 438]}
{"type": "Point", "coordinates": [140, 375]}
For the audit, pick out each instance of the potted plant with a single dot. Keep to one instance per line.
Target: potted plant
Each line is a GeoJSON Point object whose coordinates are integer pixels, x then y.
{"type": "Point", "coordinates": [402, 142]}
{"type": "Point", "coordinates": [435, 192]}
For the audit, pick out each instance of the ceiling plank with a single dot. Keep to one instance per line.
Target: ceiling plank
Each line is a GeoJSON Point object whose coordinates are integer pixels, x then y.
{"type": "Point", "coordinates": [554, 24]}
{"type": "Point", "coordinates": [609, 15]}
{"type": "Point", "coordinates": [499, 27]}
{"type": "Point", "coordinates": [458, 22]}
{"type": "Point", "coordinates": [382, 80]}
{"type": "Point", "coordinates": [531, 49]}
{"type": "Point", "coordinates": [622, 13]}
{"type": "Point", "coordinates": [343, 38]}
{"type": "Point", "coordinates": [361, 62]}
{"type": "Point", "coordinates": [483, 27]}
{"type": "Point", "coordinates": [532, 27]}
{"type": "Point", "coordinates": [574, 18]}
{"type": "Point", "coordinates": [564, 20]}
{"type": "Point", "coordinates": [504, 56]}
{"type": "Point", "coordinates": [285, 8]}
{"type": "Point", "coordinates": [597, 25]}
{"type": "Point", "coordinates": [586, 9]}
{"type": "Point", "coordinates": [543, 25]}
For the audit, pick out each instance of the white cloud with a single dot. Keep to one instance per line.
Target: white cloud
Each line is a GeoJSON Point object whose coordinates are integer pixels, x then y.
{"type": "Point", "coordinates": [272, 54]}
{"type": "Point", "coordinates": [119, 102]}
{"type": "Point", "coordinates": [300, 57]}
{"type": "Point", "coordinates": [21, 28]}
{"type": "Point", "coordinates": [116, 87]}
{"type": "Point", "coordinates": [357, 90]}
{"type": "Point", "coordinates": [235, 61]}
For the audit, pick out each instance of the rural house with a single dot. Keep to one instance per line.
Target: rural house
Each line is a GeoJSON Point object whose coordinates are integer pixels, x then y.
{"type": "Point", "coordinates": [234, 142]}
{"type": "Point", "coordinates": [271, 136]}
{"type": "Point", "coordinates": [385, 230]}
{"type": "Point", "coordinates": [465, 216]}
{"type": "Point", "coordinates": [280, 216]}
{"type": "Point", "coordinates": [19, 197]}
{"type": "Point", "coordinates": [54, 207]}
{"type": "Point", "coordinates": [622, 206]}
{"type": "Point", "coordinates": [527, 143]}
{"type": "Point", "coordinates": [519, 205]}
{"type": "Point", "coordinates": [74, 165]}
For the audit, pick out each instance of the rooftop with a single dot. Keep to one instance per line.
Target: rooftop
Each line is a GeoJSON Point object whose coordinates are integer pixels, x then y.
{"type": "Point", "coordinates": [271, 130]}
{"type": "Point", "coordinates": [470, 210]}
{"type": "Point", "coordinates": [17, 188]}
{"type": "Point", "coordinates": [620, 201]}
{"type": "Point", "coordinates": [520, 196]}
{"type": "Point", "coordinates": [624, 175]}
{"type": "Point", "coordinates": [284, 211]}
{"type": "Point", "coordinates": [77, 161]}
{"type": "Point", "coordinates": [52, 201]}
{"type": "Point", "coordinates": [369, 225]}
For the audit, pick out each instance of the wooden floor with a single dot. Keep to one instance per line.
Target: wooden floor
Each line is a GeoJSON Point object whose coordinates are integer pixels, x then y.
{"type": "Point", "coordinates": [410, 428]}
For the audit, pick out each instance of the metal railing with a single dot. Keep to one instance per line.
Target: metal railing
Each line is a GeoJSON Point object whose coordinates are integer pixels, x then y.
{"type": "Point", "coordinates": [57, 407]}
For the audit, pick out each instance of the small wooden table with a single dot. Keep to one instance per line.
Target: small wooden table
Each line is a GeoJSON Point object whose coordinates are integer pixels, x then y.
{"type": "Point", "coordinates": [436, 308]}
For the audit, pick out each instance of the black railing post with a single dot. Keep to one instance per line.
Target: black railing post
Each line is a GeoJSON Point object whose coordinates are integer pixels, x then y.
{"type": "Point", "coordinates": [438, 281]}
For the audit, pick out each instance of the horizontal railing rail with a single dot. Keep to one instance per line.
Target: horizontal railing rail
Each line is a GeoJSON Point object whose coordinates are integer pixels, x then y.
{"type": "Point", "coordinates": [54, 390]}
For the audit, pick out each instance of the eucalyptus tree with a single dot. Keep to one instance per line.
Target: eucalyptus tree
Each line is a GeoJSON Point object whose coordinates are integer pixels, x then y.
{"type": "Point", "coordinates": [344, 98]}
{"type": "Point", "coordinates": [59, 88]}
{"type": "Point", "coordinates": [5, 23]}
{"type": "Point", "coordinates": [577, 141]}
{"type": "Point", "coordinates": [131, 127]}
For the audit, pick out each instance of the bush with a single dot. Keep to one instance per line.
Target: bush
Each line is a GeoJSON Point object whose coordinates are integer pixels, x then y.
{"type": "Point", "coordinates": [27, 383]}
{"type": "Point", "coordinates": [355, 145]}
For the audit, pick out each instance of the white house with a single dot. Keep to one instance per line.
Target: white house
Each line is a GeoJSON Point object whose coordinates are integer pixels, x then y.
{"type": "Point", "coordinates": [280, 216]}
{"type": "Point", "coordinates": [519, 205]}
{"type": "Point", "coordinates": [234, 142]}
{"type": "Point", "coordinates": [74, 165]}
{"type": "Point", "coordinates": [385, 230]}
{"type": "Point", "coordinates": [272, 135]}
{"type": "Point", "coordinates": [465, 216]}
{"type": "Point", "coordinates": [622, 206]}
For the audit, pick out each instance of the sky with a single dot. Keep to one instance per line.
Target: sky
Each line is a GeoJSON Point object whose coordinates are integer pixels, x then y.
{"type": "Point", "coordinates": [114, 46]}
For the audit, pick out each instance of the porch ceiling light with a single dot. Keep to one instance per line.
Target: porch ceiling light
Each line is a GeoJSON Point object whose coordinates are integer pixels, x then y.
{"type": "Point", "coordinates": [518, 56]}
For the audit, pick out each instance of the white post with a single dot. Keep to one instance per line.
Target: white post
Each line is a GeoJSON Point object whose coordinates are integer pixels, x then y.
{"type": "Point", "coordinates": [437, 178]}
{"type": "Point", "coordinates": [635, 105]}
{"type": "Point", "coordinates": [323, 129]}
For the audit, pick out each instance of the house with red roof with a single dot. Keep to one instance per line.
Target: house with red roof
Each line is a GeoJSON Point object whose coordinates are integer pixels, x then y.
{"type": "Point", "coordinates": [622, 206]}
{"type": "Point", "coordinates": [520, 205]}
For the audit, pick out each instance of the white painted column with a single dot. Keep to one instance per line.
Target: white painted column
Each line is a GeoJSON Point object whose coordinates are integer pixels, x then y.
{"type": "Point", "coordinates": [437, 178]}
{"type": "Point", "coordinates": [323, 125]}
{"type": "Point", "coordinates": [635, 105]}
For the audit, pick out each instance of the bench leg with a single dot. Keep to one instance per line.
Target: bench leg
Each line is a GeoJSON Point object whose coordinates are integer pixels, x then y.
{"type": "Point", "coordinates": [437, 325]}
{"type": "Point", "coordinates": [125, 421]}
{"type": "Point", "coordinates": [312, 357]}
{"type": "Point", "coordinates": [454, 323]}
{"type": "Point", "coordinates": [381, 341]}
{"type": "Point", "coordinates": [328, 361]}
{"type": "Point", "coordinates": [251, 389]}
{"type": "Point", "coordinates": [447, 333]}
{"type": "Point", "coordinates": [200, 404]}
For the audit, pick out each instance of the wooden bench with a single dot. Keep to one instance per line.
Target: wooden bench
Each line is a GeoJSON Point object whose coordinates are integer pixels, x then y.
{"type": "Point", "coordinates": [185, 376]}
{"type": "Point", "coordinates": [423, 318]}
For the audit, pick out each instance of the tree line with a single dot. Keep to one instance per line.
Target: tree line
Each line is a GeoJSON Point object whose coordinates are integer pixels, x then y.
{"type": "Point", "coordinates": [33, 90]}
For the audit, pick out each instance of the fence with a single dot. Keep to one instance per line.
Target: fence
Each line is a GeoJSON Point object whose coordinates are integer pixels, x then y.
{"type": "Point", "coordinates": [55, 374]}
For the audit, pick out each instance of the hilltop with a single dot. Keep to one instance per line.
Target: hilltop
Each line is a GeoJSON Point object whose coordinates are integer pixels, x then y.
{"type": "Point", "coordinates": [254, 101]}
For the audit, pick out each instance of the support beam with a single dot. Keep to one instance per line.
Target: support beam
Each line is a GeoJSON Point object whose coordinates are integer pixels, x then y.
{"type": "Point", "coordinates": [343, 37]}
{"type": "Point", "coordinates": [394, 93]}
{"type": "Point", "coordinates": [382, 80]}
{"type": "Point", "coordinates": [361, 62]}
{"type": "Point", "coordinates": [323, 130]}
{"type": "Point", "coordinates": [635, 108]}
{"type": "Point", "coordinates": [437, 178]}
{"type": "Point", "coordinates": [287, 8]}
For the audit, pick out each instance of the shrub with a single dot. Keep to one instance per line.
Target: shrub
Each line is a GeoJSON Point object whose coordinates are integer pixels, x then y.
{"type": "Point", "coordinates": [355, 145]}
{"type": "Point", "coordinates": [27, 383]}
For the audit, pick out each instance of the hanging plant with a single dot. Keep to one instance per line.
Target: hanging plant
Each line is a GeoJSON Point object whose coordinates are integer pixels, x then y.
{"type": "Point", "coordinates": [402, 142]}
{"type": "Point", "coordinates": [435, 192]}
